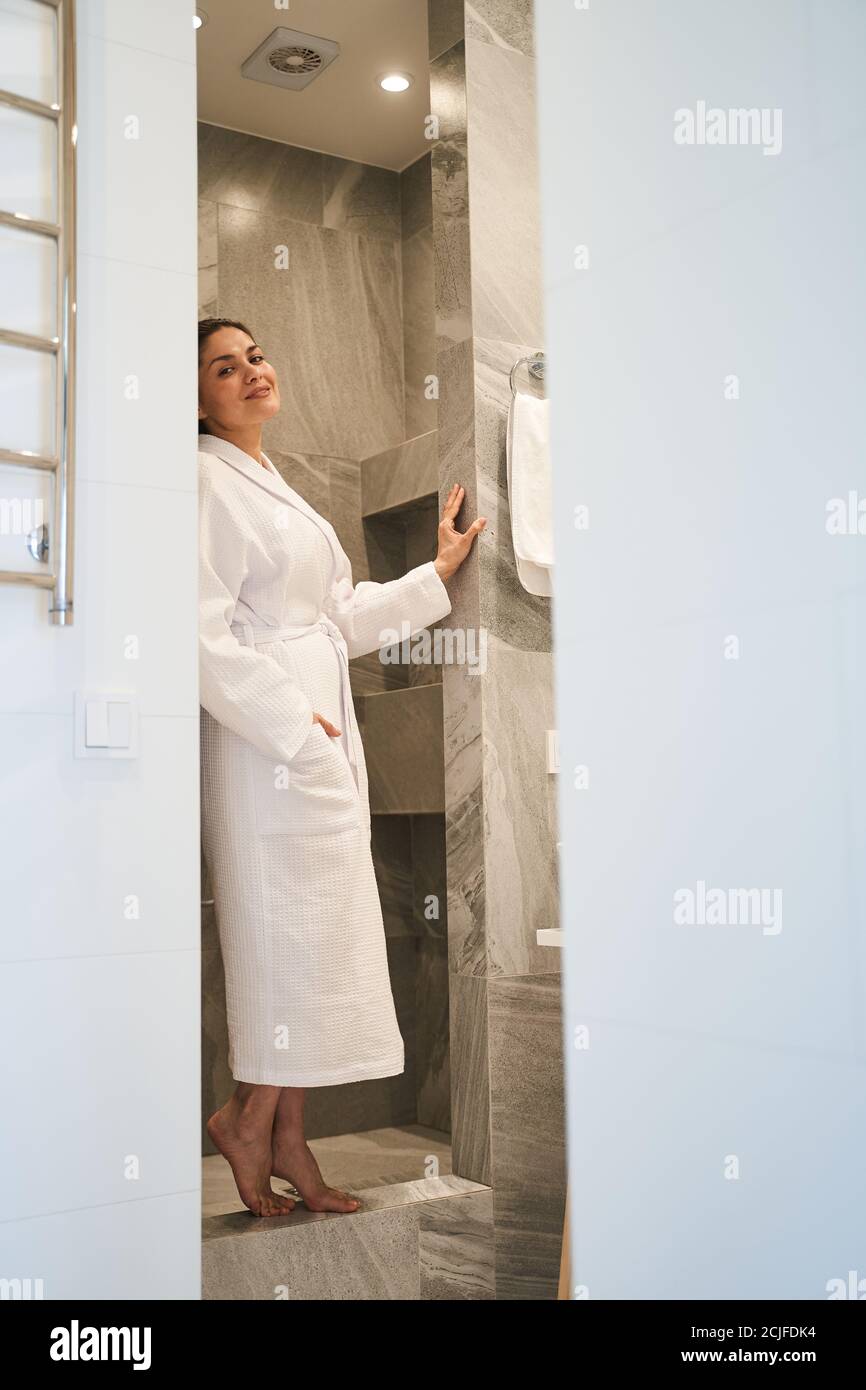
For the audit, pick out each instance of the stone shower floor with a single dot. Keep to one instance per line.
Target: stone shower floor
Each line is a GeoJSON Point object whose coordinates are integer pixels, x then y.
{"type": "Point", "coordinates": [373, 1158]}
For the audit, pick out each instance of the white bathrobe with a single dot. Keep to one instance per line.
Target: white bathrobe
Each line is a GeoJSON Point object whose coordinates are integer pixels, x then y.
{"type": "Point", "coordinates": [284, 808]}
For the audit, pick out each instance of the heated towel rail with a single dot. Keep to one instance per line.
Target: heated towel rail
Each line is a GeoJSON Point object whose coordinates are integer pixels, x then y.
{"type": "Point", "coordinates": [55, 545]}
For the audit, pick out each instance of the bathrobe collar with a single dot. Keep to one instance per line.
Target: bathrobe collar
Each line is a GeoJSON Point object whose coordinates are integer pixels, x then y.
{"type": "Point", "coordinates": [272, 482]}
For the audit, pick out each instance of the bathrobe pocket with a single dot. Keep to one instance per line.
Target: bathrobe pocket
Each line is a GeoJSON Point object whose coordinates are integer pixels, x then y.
{"type": "Point", "coordinates": [314, 794]}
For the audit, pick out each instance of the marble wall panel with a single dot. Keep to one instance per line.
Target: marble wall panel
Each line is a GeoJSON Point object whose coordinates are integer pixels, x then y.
{"type": "Point", "coordinates": [504, 209]}
{"type": "Point", "coordinates": [445, 25]}
{"type": "Point", "coordinates": [470, 1080]}
{"type": "Point", "coordinates": [456, 1249]}
{"type": "Point", "coordinates": [360, 198]}
{"type": "Point", "coordinates": [433, 1070]}
{"type": "Point", "coordinates": [398, 476]}
{"type": "Point", "coordinates": [505, 23]}
{"type": "Point", "coordinates": [528, 1168]}
{"type": "Point", "coordinates": [403, 748]}
{"type": "Point", "coordinates": [419, 332]}
{"type": "Point", "coordinates": [248, 171]}
{"type": "Point", "coordinates": [450, 189]}
{"type": "Point", "coordinates": [330, 321]}
{"type": "Point", "coordinates": [521, 857]}
{"type": "Point", "coordinates": [208, 282]}
{"type": "Point", "coordinates": [416, 198]}
{"type": "Point", "coordinates": [429, 887]}
{"type": "Point", "coordinates": [392, 856]}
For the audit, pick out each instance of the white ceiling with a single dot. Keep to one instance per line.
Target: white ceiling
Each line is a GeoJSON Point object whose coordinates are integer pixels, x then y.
{"type": "Point", "coordinates": [342, 112]}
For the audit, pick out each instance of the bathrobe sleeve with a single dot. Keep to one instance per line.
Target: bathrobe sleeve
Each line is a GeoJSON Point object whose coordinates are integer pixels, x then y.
{"type": "Point", "coordinates": [242, 688]}
{"type": "Point", "coordinates": [365, 612]}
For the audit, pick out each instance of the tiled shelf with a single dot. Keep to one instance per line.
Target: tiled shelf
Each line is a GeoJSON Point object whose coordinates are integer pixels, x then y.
{"type": "Point", "coordinates": [401, 478]}
{"type": "Point", "coordinates": [404, 748]}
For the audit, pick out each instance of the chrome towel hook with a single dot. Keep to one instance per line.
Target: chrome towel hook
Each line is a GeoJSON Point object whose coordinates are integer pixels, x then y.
{"type": "Point", "coordinates": [535, 366]}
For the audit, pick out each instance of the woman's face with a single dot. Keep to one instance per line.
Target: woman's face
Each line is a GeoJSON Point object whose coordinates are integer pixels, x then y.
{"type": "Point", "coordinates": [236, 386]}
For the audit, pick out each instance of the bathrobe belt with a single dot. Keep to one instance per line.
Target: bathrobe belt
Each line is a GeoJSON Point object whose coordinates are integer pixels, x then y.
{"type": "Point", "coordinates": [254, 636]}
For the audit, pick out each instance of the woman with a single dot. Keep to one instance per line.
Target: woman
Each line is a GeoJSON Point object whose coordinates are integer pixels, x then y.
{"type": "Point", "coordinates": [285, 810]}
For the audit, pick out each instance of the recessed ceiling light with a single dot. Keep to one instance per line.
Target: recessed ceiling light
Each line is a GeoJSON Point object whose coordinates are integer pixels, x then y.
{"type": "Point", "coordinates": [395, 81]}
{"type": "Point", "coordinates": [198, 19]}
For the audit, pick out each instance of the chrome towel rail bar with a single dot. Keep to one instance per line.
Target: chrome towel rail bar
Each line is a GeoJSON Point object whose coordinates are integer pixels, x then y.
{"type": "Point", "coordinates": [60, 533]}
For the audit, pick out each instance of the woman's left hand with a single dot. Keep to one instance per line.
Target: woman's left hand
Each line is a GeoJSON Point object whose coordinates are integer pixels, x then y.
{"type": "Point", "coordinates": [454, 545]}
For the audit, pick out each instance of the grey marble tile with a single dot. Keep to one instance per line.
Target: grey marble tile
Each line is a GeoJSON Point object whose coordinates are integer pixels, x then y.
{"type": "Point", "coordinates": [464, 821]}
{"type": "Point", "coordinates": [403, 748]}
{"type": "Point", "coordinates": [457, 1249]}
{"type": "Point", "coordinates": [422, 537]}
{"type": "Point", "coordinates": [262, 175]}
{"type": "Point", "coordinates": [385, 538]}
{"type": "Point", "coordinates": [456, 372]}
{"type": "Point", "coordinates": [208, 284]}
{"type": "Point", "coordinates": [419, 333]}
{"type": "Point", "coordinates": [369, 677]}
{"type": "Point", "coordinates": [505, 215]}
{"type": "Point", "coordinates": [448, 105]}
{"type": "Point", "coordinates": [325, 1257]}
{"type": "Point", "coordinates": [429, 876]}
{"type": "Point", "coordinates": [402, 1091]}
{"type": "Point", "coordinates": [528, 1134]}
{"type": "Point", "coordinates": [345, 513]}
{"type": "Point", "coordinates": [450, 189]}
{"type": "Point", "coordinates": [391, 844]}
{"type": "Point", "coordinates": [506, 609]}
{"type": "Point", "coordinates": [341, 1156]}
{"type": "Point", "coordinates": [397, 477]}
{"type": "Point", "coordinates": [361, 198]}
{"type": "Point", "coordinates": [416, 197]}
{"type": "Point", "coordinates": [433, 1070]}
{"type": "Point", "coordinates": [422, 1191]}
{"type": "Point", "coordinates": [520, 814]}
{"type": "Point", "coordinates": [444, 25]}
{"type": "Point", "coordinates": [422, 543]}
{"type": "Point", "coordinates": [331, 324]}
{"type": "Point", "coordinates": [470, 1082]}
{"type": "Point", "coordinates": [505, 23]}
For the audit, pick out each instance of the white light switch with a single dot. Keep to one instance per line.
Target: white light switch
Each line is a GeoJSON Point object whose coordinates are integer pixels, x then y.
{"type": "Point", "coordinates": [106, 724]}
{"type": "Point", "coordinates": [118, 723]}
{"type": "Point", "coordinates": [97, 724]}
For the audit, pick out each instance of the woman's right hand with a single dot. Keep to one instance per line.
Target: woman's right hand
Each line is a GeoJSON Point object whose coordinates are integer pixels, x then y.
{"type": "Point", "coordinates": [330, 729]}
{"type": "Point", "coordinates": [454, 545]}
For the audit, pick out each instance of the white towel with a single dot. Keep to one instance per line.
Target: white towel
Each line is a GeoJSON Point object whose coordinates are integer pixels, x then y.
{"type": "Point", "coordinates": [529, 492]}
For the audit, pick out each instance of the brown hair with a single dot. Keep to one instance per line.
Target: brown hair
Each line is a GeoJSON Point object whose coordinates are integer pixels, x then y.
{"type": "Point", "coordinates": [205, 328]}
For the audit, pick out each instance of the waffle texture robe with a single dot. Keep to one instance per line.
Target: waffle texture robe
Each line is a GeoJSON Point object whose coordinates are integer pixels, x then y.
{"type": "Point", "coordinates": [285, 810]}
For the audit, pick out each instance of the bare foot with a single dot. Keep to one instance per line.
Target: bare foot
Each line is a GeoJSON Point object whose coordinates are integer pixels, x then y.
{"type": "Point", "coordinates": [293, 1161]}
{"type": "Point", "coordinates": [249, 1153]}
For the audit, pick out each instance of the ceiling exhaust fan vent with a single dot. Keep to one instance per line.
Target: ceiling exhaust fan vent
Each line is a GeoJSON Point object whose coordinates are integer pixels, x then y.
{"type": "Point", "coordinates": [295, 59]}
{"type": "Point", "coordinates": [288, 58]}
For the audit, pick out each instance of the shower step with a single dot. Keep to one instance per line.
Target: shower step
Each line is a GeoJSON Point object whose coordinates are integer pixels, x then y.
{"type": "Point", "coordinates": [423, 1240]}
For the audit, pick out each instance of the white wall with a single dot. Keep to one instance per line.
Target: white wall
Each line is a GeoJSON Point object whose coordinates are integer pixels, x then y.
{"type": "Point", "coordinates": [739, 763]}
{"type": "Point", "coordinates": [99, 1012]}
